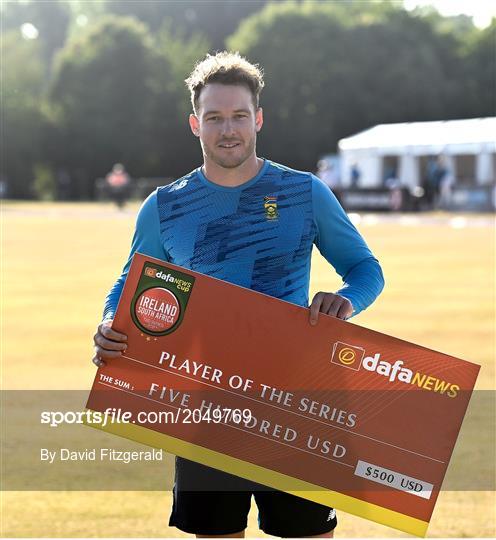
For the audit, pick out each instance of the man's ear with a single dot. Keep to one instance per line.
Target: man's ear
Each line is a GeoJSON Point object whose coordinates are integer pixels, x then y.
{"type": "Point", "coordinates": [194, 124]}
{"type": "Point", "coordinates": [259, 119]}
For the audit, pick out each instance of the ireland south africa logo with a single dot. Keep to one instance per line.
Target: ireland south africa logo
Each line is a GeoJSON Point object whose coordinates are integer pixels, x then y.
{"type": "Point", "coordinates": [157, 309]}
{"type": "Point", "coordinates": [159, 303]}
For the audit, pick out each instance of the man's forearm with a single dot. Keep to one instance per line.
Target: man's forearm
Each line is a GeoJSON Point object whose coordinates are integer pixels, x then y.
{"type": "Point", "coordinates": [112, 299]}
{"type": "Point", "coordinates": [363, 284]}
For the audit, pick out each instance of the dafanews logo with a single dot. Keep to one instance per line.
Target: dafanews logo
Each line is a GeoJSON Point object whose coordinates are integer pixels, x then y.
{"type": "Point", "coordinates": [160, 299]}
{"type": "Point", "coordinates": [346, 355]}
{"type": "Point", "coordinates": [352, 357]}
{"type": "Point", "coordinates": [181, 284]}
{"type": "Point", "coordinates": [398, 371]}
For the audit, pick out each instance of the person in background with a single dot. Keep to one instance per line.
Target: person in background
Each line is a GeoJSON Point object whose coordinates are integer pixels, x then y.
{"type": "Point", "coordinates": [440, 173]}
{"type": "Point", "coordinates": [118, 183]}
{"type": "Point", "coordinates": [430, 181]}
{"type": "Point", "coordinates": [446, 183]}
{"type": "Point", "coordinates": [355, 175]}
{"type": "Point", "coordinates": [393, 183]}
{"type": "Point", "coordinates": [327, 173]}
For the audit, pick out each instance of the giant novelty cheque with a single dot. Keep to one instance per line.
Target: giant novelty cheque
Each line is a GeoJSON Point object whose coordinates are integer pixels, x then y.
{"type": "Point", "coordinates": [240, 381]}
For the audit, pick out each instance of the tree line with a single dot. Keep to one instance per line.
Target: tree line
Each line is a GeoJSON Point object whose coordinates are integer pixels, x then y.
{"type": "Point", "coordinates": [103, 82]}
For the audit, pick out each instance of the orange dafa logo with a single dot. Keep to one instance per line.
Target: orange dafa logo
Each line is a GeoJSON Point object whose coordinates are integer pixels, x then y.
{"type": "Point", "coordinates": [346, 355]}
{"type": "Point", "coordinates": [150, 272]}
{"type": "Point", "coordinates": [352, 357]}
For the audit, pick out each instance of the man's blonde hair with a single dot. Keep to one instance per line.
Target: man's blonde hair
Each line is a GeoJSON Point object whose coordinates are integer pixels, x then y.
{"type": "Point", "coordinates": [225, 68]}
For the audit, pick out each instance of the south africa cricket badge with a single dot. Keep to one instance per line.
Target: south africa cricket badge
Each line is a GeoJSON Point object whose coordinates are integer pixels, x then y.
{"type": "Point", "coordinates": [270, 204]}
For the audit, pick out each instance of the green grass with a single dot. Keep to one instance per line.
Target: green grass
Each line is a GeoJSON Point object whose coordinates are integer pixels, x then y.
{"type": "Point", "coordinates": [59, 261]}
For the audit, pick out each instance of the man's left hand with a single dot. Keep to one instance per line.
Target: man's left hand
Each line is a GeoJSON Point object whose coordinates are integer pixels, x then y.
{"type": "Point", "coordinates": [330, 304]}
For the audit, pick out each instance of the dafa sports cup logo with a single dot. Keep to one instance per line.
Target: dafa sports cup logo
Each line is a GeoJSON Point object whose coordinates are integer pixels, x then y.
{"type": "Point", "coordinates": [160, 300]}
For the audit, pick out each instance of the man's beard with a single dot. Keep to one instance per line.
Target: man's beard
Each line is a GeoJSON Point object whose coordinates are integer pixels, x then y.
{"type": "Point", "coordinates": [230, 161]}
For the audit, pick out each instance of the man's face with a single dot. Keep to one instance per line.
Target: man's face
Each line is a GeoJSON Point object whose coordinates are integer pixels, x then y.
{"type": "Point", "coordinates": [227, 124]}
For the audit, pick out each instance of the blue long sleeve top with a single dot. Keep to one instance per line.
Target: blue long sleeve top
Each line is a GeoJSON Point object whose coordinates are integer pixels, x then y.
{"type": "Point", "coordinates": [258, 235]}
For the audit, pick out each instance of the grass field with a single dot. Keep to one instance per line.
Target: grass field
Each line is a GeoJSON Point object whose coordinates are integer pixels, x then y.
{"type": "Point", "coordinates": [59, 261]}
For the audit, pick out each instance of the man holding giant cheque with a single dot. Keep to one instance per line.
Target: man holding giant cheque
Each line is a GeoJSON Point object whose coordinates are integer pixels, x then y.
{"type": "Point", "coordinates": [252, 223]}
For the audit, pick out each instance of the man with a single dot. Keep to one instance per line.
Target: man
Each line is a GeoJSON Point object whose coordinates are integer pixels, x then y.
{"type": "Point", "coordinates": [327, 173]}
{"type": "Point", "coordinates": [355, 176]}
{"type": "Point", "coordinates": [117, 182]}
{"type": "Point", "coordinates": [251, 222]}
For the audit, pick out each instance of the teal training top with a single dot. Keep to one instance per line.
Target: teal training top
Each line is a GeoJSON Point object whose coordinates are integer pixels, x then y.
{"type": "Point", "coordinates": [258, 235]}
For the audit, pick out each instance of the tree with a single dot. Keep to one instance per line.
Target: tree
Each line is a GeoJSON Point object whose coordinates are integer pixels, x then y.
{"type": "Point", "coordinates": [22, 121]}
{"type": "Point", "coordinates": [51, 19]}
{"type": "Point", "coordinates": [213, 19]}
{"type": "Point", "coordinates": [103, 99]}
{"type": "Point", "coordinates": [329, 75]}
{"type": "Point", "coordinates": [481, 72]}
{"type": "Point", "coordinates": [181, 54]}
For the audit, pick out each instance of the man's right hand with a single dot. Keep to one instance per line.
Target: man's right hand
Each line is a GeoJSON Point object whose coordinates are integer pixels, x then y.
{"type": "Point", "coordinates": [108, 343]}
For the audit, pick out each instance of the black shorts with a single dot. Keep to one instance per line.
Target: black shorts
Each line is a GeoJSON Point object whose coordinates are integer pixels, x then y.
{"type": "Point", "coordinates": [208, 501]}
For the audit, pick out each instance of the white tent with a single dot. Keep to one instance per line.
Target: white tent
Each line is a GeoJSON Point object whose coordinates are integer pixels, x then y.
{"type": "Point", "coordinates": [410, 141]}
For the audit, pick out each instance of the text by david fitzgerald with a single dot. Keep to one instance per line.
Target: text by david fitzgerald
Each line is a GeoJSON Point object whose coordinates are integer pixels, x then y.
{"type": "Point", "coordinates": [100, 454]}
